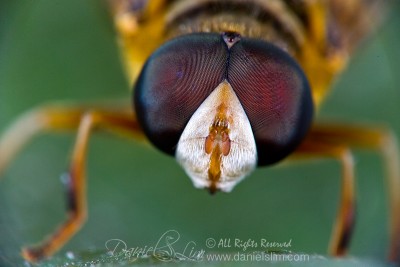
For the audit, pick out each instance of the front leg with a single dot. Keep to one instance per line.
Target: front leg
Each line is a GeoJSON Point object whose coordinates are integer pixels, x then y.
{"type": "Point", "coordinates": [120, 121]}
{"type": "Point", "coordinates": [371, 138]}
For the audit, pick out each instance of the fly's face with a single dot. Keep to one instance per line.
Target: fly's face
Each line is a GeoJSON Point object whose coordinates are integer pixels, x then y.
{"type": "Point", "coordinates": [217, 147]}
{"type": "Point", "coordinates": [222, 104]}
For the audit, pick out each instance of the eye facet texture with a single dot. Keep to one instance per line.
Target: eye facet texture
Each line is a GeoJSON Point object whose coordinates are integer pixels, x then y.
{"type": "Point", "coordinates": [274, 93]}
{"type": "Point", "coordinates": [271, 87]}
{"type": "Point", "coordinates": [176, 79]}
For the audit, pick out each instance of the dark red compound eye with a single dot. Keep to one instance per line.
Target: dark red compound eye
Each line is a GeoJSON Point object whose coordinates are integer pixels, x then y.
{"type": "Point", "coordinates": [174, 82]}
{"type": "Point", "coordinates": [270, 85]}
{"type": "Point", "coordinates": [275, 95]}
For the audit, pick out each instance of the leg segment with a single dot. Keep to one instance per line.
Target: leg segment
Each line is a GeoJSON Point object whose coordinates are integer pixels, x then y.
{"type": "Point", "coordinates": [383, 141]}
{"type": "Point", "coordinates": [57, 118]}
{"type": "Point", "coordinates": [62, 118]}
{"type": "Point", "coordinates": [343, 226]}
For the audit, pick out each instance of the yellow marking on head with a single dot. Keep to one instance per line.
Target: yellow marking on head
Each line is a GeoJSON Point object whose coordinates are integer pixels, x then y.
{"type": "Point", "coordinates": [217, 144]}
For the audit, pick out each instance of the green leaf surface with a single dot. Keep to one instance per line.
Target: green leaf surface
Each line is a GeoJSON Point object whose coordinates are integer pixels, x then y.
{"type": "Point", "coordinates": [99, 259]}
{"type": "Point", "coordinates": [65, 51]}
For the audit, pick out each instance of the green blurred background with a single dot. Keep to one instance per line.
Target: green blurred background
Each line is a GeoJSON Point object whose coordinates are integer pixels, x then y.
{"type": "Point", "coordinates": [65, 50]}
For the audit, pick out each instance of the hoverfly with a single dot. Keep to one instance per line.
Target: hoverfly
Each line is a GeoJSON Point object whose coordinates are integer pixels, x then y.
{"type": "Point", "coordinates": [213, 54]}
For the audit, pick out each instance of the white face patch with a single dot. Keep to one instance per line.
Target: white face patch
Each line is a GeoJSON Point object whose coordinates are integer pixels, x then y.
{"type": "Point", "coordinates": [217, 147]}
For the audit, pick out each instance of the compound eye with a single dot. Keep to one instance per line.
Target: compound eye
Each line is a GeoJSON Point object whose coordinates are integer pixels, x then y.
{"type": "Point", "coordinates": [175, 80]}
{"type": "Point", "coordinates": [275, 95]}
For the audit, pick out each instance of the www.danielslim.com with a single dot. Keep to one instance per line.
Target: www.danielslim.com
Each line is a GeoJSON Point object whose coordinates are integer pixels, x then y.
{"type": "Point", "coordinates": [256, 256]}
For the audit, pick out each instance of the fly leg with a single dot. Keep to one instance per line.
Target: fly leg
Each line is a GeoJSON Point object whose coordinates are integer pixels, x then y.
{"type": "Point", "coordinates": [343, 226]}
{"type": "Point", "coordinates": [376, 139]}
{"type": "Point", "coordinates": [65, 118]}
